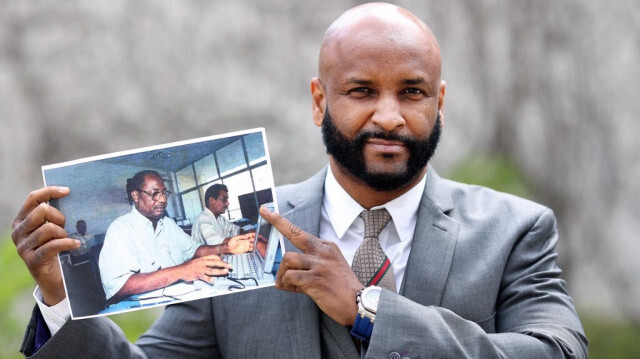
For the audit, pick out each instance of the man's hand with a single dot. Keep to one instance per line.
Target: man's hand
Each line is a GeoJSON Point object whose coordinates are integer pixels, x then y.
{"type": "Point", "coordinates": [203, 268]}
{"type": "Point", "coordinates": [241, 243]}
{"type": "Point", "coordinates": [321, 272]}
{"type": "Point", "coordinates": [39, 235]}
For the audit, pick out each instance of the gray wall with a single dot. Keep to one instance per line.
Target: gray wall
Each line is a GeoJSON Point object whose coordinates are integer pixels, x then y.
{"type": "Point", "coordinates": [551, 84]}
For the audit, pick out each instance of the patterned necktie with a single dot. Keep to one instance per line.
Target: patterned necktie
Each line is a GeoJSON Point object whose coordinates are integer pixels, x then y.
{"type": "Point", "coordinates": [370, 263]}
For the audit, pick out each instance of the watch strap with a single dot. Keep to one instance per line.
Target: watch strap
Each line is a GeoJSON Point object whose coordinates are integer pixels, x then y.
{"type": "Point", "coordinates": [363, 328]}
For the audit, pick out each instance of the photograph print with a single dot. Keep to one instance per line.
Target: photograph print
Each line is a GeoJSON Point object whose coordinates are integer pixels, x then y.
{"type": "Point", "coordinates": [167, 223]}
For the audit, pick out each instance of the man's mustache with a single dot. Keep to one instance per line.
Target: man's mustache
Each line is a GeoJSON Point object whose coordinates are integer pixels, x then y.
{"type": "Point", "coordinates": [389, 136]}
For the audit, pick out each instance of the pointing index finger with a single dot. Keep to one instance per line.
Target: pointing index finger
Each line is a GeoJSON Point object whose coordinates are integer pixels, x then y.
{"type": "Point", "coordinates": [301, 239]}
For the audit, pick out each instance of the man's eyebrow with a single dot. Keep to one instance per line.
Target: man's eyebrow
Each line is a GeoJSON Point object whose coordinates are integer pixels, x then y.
{"type": "Point", "coordinates": [411, 81]}
{"type": "Point", "coordinates": [415, 81]}
{"type": "Point", "coordinates": [359, 81]}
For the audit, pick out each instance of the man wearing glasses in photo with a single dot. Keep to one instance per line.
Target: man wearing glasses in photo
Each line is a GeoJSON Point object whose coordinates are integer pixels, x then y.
{"type": "Point", "coordinates": [145, 250]}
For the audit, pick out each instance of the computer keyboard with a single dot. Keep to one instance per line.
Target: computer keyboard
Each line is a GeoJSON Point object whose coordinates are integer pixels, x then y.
{"type": "Point", "coordinates": [244, 266]}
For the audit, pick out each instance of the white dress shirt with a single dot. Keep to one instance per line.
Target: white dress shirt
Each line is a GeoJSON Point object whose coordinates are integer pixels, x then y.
{"type": "Point", "coordinates": [132, 245]}
{"type": "Point", "coordinates": [56, 315]}
{"type": "Point", "coordinates": [210, 230]}
{"type": "Point", "coordinates": [340, 223]}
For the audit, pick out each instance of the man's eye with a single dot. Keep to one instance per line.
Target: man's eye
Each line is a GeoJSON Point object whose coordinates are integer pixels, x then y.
{"type": "Point", "coordinates": [360, 92]}
{"type": "Point", "coordinates": [414, 93]}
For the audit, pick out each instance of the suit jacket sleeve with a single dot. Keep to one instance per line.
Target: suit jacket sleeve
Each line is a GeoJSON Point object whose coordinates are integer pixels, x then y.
{"type": "Point", "coordinates": [534, 316]}
{"type": "Point", "coordinates": [87, 338]}
{"type": "Point", "coordinates": [181, 332]}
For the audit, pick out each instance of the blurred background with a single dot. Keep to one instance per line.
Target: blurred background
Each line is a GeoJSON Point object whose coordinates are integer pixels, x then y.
{"type": "Point", "coordinates": [542, 101]}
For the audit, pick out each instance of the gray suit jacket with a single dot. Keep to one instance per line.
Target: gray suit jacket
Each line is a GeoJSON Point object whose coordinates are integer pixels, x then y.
{"type": "Point", "coordinates": [481, 282]}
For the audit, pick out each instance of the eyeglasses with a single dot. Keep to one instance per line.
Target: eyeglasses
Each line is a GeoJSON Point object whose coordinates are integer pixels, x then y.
{"type": "Point", "coordinates": [156, 194]}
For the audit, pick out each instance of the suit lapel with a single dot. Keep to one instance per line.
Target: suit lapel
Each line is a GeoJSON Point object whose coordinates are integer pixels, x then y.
{"type": "Point", "coordinates": [305, 206]}
{"type": "Point", "coordinates": [433, 245]}
{"type": "Point", "coordinates": [304, 311]}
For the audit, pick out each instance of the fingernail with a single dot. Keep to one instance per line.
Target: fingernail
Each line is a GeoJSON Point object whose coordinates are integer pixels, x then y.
{"type": "Point", "coordinates": [267, 209]}
{"type": "Point", "coordinates": [78, 243]}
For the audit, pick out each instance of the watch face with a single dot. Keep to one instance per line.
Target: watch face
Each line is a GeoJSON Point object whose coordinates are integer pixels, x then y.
{"type": "Point", "coordinates": [370, 298]}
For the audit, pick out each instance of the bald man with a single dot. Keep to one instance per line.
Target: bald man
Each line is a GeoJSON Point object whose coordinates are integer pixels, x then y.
{"type": "Point", "coordinates": [468, 272]}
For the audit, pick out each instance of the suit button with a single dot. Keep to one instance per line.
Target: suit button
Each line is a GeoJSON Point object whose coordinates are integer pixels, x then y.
{"type": "Point", "coordinates": [394, 355]}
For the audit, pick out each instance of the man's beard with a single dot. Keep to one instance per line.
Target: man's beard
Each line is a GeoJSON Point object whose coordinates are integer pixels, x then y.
{"type": "Point", "coordinates": [350, 154]}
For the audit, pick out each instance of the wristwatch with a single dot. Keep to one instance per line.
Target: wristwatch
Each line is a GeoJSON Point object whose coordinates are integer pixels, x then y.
{"type": "Point", "coordinates": [367, 300]}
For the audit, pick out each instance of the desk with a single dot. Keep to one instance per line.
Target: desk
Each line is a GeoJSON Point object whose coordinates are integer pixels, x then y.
{"type": "Point", "coordinates": [185, 291]}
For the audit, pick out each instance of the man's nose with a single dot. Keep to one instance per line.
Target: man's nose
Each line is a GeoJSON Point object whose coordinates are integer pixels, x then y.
{"type": "Point", "coordinates": [387, 115]}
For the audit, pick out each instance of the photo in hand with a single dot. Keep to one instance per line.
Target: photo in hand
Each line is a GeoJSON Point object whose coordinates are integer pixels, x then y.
{"type": "Point", "coordinates": [167, 223]}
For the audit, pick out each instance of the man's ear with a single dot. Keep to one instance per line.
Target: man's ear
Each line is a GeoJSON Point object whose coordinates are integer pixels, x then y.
{"type": "Point", "coordinates": [441, 92]}
{"type": "Point", "coordinates": [135, 195]}
{"type": "Point", "coordinates": [318, 100]}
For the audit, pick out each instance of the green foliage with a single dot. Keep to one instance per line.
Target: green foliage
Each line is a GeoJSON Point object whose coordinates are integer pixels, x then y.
{"type": "Point", "coordinates": [496, 172]}
{"type": "Point", "coordinates": [133, 324]}
{"type": "Point", "coordinates": [15, 303]}
{"type": "Point", "coordinates": [608, 339]}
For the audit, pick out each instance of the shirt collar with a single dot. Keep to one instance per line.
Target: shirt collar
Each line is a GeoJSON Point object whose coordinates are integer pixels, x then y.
{"type": "Point", "coordinates": [142, 220]}
{"type": "Point", "coordinates": [342, 209]}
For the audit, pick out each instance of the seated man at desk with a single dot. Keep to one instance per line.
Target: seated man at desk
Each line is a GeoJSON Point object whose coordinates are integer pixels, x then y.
{"type": "Point", "coordinates": [86, 239]}
{"type": "Point", "coordinates": [211, 227]}
{"type": "Point", "coordinates": [144, 250]}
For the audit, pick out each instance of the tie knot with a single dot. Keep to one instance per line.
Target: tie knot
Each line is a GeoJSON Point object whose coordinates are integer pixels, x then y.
{"type": "Point", "coordinates": [374, 222]}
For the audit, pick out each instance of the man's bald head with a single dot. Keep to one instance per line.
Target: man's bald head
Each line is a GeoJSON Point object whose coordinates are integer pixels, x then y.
{"type": "Point", "coordinates": [385, 25]}
{"type": "Point", "coordinates": [379, 75]}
